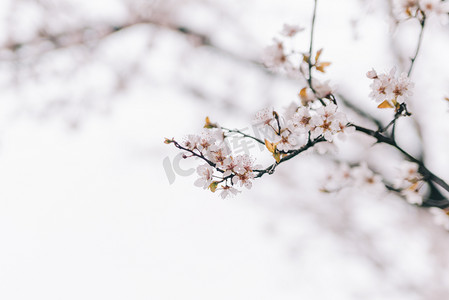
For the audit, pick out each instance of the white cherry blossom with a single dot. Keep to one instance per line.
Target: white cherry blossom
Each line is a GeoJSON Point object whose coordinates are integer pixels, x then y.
{"type": "Point", "coordinates": [412, 196]}
{"type": "Point", "coordinates": [364, 176]}
{"type": "Point", "coordinates": [440, 216]}
{"type": "Point", "coordinates": [407, 175]}
{"type": "Point", "coordinates": [206, 142]}
{"type": "Point", "coordinates": [402, 88]}
{"type": "Point", "coordinates": [264, 116]}
{"type": "Point", "coordinates": [219, 155]}
{"type": "Point", "coordinates": [191, 141]}
{"type": "Point", "coordinates": [300, 121]}
{"type": "Point", "coordinates": [322, 122]}
{"type": "Point", "coordinates": [286, 141]}
{"type": "Point", "coordinates": [322, 89]}
{"type": "Point", "coordinates": [244, 170]}
{"type": "Point", "coordinates": [291, 30]}
{"type": "Point", "coordinates": [229, 165]}
{"type": "Point", "coordinates": [228, 191]}
{"type": "Point", "coordinates": [274, 56]}
{"type": "Point", "coordinates": [372, 74]}
{"type": "Point", "coordinates": [206, 175]}
{"type": "Point", "coordinates": [436, 8]}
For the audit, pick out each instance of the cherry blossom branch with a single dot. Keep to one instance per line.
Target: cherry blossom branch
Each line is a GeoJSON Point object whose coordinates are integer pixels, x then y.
{"type": "Point", "coordinates": [270, 169]}
{"type": "Point", "coordinates": [321, 124]}
{"type": "Point", "coordinates": [435, 199]}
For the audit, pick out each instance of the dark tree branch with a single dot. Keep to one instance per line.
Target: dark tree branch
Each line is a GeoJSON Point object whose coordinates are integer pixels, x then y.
{"type": "Point", "coordinates": [423, 170]}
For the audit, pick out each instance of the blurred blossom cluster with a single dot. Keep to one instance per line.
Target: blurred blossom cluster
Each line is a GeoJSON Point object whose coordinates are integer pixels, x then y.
{"type": "Point", "coordinates": [354, 177]}
{"type": "Point", "coordinates": [420, 9]}
{"type": "Point", "coordinates": [410, 182]}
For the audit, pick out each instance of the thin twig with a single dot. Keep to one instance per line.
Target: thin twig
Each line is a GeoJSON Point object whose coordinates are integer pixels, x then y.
{"type": "Point", "coordinates": [312, 30]}
{"type": "Point", "coordinates": [311, 44]}
{"type": "Point", "coordinates": [199, 155]}
{"type": "Point", "coordinates": [423, 22]}
{"type": "Point", "coordinates": [244, 135]}
{"type": "Point", "coordinates": [270, 169]}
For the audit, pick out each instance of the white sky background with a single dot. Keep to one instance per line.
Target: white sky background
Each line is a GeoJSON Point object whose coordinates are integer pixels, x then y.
{"type": "Point", "coordinates": [86, 208]}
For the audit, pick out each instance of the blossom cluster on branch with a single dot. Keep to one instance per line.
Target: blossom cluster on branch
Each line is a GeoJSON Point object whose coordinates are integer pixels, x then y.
{"type": "Point", "coordinates": [223, 170]}
{"type": "Point", "coordinates": [316, 117]}
{"type": "Point", "coordinates": [389, 89]}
